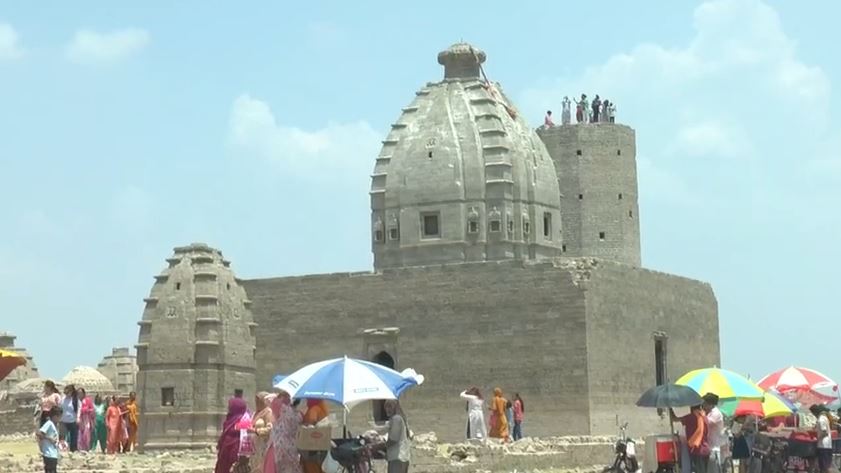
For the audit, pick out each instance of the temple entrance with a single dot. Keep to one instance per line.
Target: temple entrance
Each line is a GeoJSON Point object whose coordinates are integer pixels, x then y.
{"type": "Point", "coordinates": [385, 359]}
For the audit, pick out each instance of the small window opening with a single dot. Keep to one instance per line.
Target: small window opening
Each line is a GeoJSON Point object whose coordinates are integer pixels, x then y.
{"type": "Point", "coordinates": [430, 225]}
{"type": "Point", "coordinates": [618, 152]}
{"type": "Point", "coordinates": [510, 226]}
{"type": "Point", "coordinates": [496, 226]}
{"type": "Point", "coordinates": [580, 196]}
{"type": "Point", "coordinates": [547, 225]}
{"type": "Point", "coordinates": [601, 236]}
{"type": "Point", "coordinates": [564, 248]}
{"type": "Point", "coordinates": [630, 214]}
{"type": "Point", "coordinates": [178, 286]}
{"type": "Point", "coordinates": [578, 152]}
{"type": "Point", "coordinates": [228, 285]}
{"type": "Point", "coordinates": [429, 155]}
{"type": "Point", "coordinates": [393, 233]}
{"type": "Point", "coordinates": [526, 228]}
{"type": "Point", "coordinates": [472, 226]}
{"type": "Point", "coordinates": [620, 196]}
{"type": "Point", "coordinates": [378, 235]}
{"type": "Point", "coordinates": [168, 397]}
{"type": "Point", "coordinates": [661, 375]}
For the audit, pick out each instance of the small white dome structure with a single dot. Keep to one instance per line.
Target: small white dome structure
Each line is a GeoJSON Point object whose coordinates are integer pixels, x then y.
{"type": "Point", "coordinates": [89, 378]}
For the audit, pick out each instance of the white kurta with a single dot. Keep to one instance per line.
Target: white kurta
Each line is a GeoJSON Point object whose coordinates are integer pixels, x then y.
{"type": "Point", "coordinates": [475, 416]}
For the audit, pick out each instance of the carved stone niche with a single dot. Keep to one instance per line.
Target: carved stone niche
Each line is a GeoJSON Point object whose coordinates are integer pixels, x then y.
{"type": "Point", "coordinates": [379, 345]}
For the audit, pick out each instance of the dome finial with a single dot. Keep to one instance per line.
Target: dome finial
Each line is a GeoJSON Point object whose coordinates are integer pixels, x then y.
{"type": "Point", "coordinates": [461, 61]}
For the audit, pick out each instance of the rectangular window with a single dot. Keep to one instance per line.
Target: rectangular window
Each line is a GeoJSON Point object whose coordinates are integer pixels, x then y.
{"type": "Point", "coordinates": [393, 233]}
{"type": "Point", "coordinates": [601, 236]}
{"type": "Point", "coordinates": [378, 235]}
{"type": "Point", "coordinates": [496, 226]}
{"type": "Point", "coordinates": [547, 225]}
{"type": "Point", "coordinates": [473, 226]}
{"type": "Point", "coordinates": [168, 397]}
{"type": "Point", "coordinates": [429, 225]}
{"type": "Point", "coordinates": [660, 369]}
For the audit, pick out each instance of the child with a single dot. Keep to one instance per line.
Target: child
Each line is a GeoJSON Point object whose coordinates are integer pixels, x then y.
{"type": "Point", "coordinates": [48, 440]}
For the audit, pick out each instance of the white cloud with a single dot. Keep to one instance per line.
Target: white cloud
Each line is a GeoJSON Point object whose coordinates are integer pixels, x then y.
{"type": "Point", "coordinates": [713, 138]}
{"type": "Point", "coordinates": [719, 106]}
{"type": "Point", "coordinates": [9, 43]}
{"type": "Point", "coordinates": [90, 47]}
{"type": "Point", "coordinates": [330, 150]}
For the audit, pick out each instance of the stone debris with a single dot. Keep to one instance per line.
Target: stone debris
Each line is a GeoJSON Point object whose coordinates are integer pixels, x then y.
{"type": "Point", "coordinates": [551, 455]}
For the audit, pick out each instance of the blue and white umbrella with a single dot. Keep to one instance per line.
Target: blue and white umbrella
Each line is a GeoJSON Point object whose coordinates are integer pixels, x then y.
{"type": "Point", "coordinates": [348, 382]}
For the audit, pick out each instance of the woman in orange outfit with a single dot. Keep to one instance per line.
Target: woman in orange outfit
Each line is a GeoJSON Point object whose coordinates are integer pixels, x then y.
{"type": "Point", "coordinates": [114, 423]}
{"type": "Point", "coordinates": [499, 424]}
{"type": "Point", "coordinates": [316, 411]}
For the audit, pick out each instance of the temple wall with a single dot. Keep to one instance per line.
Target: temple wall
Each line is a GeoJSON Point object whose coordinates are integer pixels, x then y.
{"type": "Point", "coordinates": [486, 324]}
{"type": "Point", "coordinates": [627, 309]}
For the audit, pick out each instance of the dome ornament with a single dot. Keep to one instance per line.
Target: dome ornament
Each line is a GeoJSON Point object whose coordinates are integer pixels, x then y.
{"type": "Point", "coordinates": [461, 61]}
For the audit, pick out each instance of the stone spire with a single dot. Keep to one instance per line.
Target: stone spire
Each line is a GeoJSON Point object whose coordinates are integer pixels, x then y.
{"type": "Point", "coordinates": [195, 349]}
{"type": "Point", "coordinates": [461, 177]}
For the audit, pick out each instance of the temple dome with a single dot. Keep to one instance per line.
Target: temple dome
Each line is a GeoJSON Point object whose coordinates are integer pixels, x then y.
{"type": "Point", "coordinates": [90, 379]}
{"type": "Point", "coordinates": [462, 177]}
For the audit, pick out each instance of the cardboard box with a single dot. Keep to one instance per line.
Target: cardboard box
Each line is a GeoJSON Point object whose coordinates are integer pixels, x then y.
{"type": "Point", "coordinates": [314, 438]}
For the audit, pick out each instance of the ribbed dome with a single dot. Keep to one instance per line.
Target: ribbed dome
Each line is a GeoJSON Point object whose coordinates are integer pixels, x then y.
{"type": "Point", "coordinates": [462, 176]}
{"type": "Point", "coordinates": [89, 378]}
{"type": "Point", "coordinates": [30, 386]}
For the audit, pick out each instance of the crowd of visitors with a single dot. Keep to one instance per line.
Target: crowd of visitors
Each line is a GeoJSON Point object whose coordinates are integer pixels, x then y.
{"type": "Point", "coordinates": [75, 422]}
{"type": "Point", "coordinates": [267, 441]}
{"type": "Point", "coordinates": [506, 417]}
{"type": "Point", "coordinates": [710, 444]}
{"type": "Point", "coordinates": [596, 111]}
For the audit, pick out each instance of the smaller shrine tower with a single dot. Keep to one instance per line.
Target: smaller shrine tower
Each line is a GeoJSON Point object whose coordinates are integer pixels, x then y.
{"type": "Point", "coordinates": [195, 350]}
{"type": "Point", "coordinates": [597, 175]}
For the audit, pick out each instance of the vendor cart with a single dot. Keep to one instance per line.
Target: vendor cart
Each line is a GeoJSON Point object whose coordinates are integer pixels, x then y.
{"type": "Point", "coordinates": [661, 454]}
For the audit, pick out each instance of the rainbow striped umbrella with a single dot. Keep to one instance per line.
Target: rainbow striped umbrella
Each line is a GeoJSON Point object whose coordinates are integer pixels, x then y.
{"type": "Point", "coordinates": [773, 405]}
{"type": "Point", "coordinates": [723, 383]}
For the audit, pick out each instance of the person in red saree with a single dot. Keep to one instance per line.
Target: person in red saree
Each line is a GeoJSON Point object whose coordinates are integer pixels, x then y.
{"type": "Point", "coordinates": [697, 442]}
{"type": "Point", "coordinates": [227, 448]}
{"type": "Point", "coordinates": [499, 423]}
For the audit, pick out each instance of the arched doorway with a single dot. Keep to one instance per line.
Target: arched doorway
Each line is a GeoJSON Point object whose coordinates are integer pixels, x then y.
{"type": "Point", "coordinates": [385, 359]}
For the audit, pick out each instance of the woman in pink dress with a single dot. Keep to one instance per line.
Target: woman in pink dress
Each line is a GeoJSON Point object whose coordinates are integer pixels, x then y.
{"type": "Point", "coordinates": [87, 420]}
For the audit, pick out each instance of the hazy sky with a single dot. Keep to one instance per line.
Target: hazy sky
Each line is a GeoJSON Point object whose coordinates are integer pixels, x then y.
{"type": "Point", "coordinates": [126, 131]}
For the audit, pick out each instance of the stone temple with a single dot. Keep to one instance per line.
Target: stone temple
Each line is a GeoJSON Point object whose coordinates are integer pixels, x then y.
{"type": "Point", "coordinates": [503, 257]}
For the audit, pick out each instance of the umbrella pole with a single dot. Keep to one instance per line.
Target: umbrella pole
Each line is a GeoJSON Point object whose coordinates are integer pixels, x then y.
{"type": "Point", "coordinates": [344, 423]}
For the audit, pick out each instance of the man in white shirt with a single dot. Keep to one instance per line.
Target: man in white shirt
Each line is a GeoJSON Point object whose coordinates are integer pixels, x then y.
{"type": "Point", "coordinates": [715, 432]}
{"type": "Point", "coordinates": [822, 427]}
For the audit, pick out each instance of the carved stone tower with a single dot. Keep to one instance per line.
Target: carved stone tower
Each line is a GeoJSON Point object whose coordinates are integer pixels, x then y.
{"type": "Point", "coordinates": [597, 174]}
{"type": "Point", "coordinates": [196, 347]}
{"type": "Point", "coordinates": [461, 176]}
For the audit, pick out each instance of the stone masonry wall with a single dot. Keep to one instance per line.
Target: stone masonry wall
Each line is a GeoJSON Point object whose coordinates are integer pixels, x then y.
{"type": "Point", "coordinates": [597, 174]}
{"type": "Point", "coordinates": [514, 325]}
{"type": "Point", "coordinates": [486, 324]}
{"type": "Point", "coordinates": [18, 420]}
{"type": "Point", "coordinates": [625, 307]}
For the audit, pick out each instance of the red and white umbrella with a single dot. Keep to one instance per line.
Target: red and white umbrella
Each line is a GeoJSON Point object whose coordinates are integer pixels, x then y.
{"type": "Point", "coordinates": [806, 385]}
